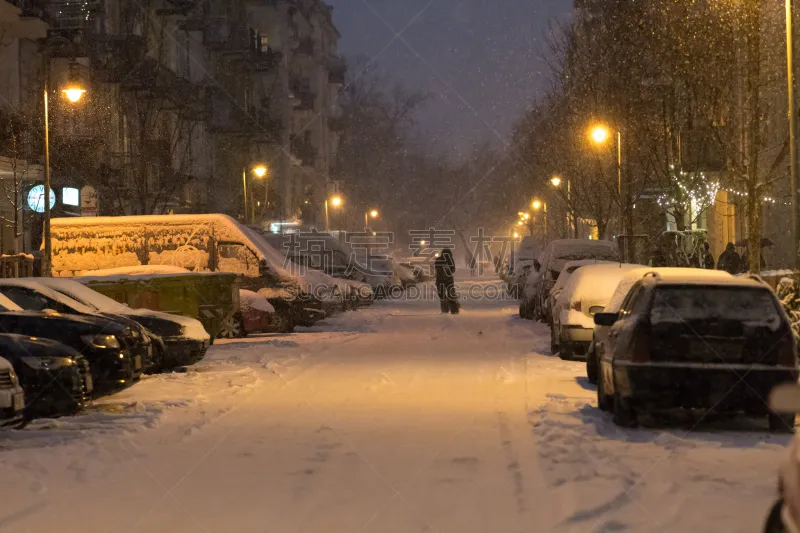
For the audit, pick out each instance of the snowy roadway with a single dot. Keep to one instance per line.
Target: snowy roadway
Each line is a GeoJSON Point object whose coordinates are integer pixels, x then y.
{"type": "Point", "coordinates": [391, 419]}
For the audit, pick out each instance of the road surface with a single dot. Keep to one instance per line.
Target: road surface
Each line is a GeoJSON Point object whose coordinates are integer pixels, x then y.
{"type": "Point", "coordinates": [391, 419]}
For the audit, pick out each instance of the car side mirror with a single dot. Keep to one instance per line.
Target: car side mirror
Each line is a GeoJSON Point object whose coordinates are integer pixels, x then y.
{"type": "Point", "coordinates": [785, 398]}
{"type": "Point", "coordinates": [606, 319]}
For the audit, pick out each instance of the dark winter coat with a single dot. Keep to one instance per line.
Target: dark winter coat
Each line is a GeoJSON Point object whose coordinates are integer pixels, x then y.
{"type": "Point", "coordinates": [445, 269]}
{"type": "Point", "coordinates": [729, 261]}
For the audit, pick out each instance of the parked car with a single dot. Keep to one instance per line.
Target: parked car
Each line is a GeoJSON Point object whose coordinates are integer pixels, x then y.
{"type": "Point", "coordinates": [585, 294]}
{"type": "Point", "coordinates": [784, 516]}
{"type": "Point", "coordinates": [695, 343]}
{"type": "Point", "coordinates": [31, 295]}
{"type": "Point", "coordinates": [615, 302]}
{"type": "Point", "coordinates": [181, 340]}
{"type": "Point", "coordinates": [56, 379]}
{"type": "Point", "coordinates": [563, 277]}
{"type": "Point", "coordinates": [256, 315]}
{"type": "Point", "coordinates": [12, 397]}
{"type": "Point", "coordinates": [518, 276]}
{"type": "Point", "coordinates": [104, 343]}
{"type": "Point", "coordinates": [555, 256]}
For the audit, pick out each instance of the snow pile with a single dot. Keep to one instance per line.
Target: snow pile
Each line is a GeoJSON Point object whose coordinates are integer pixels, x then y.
{"type": "Point", "coordinates": [253, 300]}
{"type": "Point", "coordinates": [139, 270]}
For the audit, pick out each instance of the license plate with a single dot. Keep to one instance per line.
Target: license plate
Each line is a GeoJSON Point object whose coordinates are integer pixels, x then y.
{"type": "Point", "coordinates": [19, 401]}
{"type": "Point", "coordinates": [137, 362]}
{"type": "Point", "coordinates": [89, 383]}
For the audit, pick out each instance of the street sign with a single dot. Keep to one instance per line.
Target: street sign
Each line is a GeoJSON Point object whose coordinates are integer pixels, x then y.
{"type": "Point", "coordinates": [89, 202]}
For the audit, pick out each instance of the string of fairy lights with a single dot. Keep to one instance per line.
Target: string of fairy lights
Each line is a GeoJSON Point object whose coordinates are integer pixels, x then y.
{"type": "Point", "coordinates": [703, 191]}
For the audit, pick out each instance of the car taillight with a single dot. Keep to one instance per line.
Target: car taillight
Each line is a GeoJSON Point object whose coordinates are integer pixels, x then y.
{"type": "Point", "coordinates": [640, 343]}
{"type": "Point", "coordinates": [576, 306]}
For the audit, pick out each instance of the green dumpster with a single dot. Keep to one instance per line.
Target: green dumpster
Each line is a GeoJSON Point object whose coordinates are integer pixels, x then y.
{"type": "Point", "coordinates": [211, 298]}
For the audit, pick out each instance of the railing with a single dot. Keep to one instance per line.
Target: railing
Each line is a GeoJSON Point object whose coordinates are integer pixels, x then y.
{"type": "Point", "coordinates": [16, 266]}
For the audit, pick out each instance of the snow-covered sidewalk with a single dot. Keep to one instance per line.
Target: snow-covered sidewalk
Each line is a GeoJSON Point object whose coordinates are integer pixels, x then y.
{"type": "Point", "coordinates": [393, 419]}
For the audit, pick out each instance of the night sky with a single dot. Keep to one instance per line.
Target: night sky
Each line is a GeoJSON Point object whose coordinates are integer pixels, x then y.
{"type": "Point", "coordinates": [481, 60]}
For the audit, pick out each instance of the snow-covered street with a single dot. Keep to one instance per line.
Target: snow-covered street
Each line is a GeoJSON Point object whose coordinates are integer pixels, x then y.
{"type": "Point", "coordinates": [393, 419]}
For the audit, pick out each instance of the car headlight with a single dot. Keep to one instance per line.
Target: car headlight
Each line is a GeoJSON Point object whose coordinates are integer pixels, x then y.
{"type": "Point", "coordinates": [46, 363]}
{"type": "Point", "coordinates": [101, 341]}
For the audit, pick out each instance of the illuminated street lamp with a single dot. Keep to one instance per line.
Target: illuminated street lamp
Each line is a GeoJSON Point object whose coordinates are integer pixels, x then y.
{"type": "Point", "coordinates": [370, 214]}
{"type": "Point", "coordinates": [73, 92]}
{"type": "Point", "coordinates": [536, 205]}
{"type": "Point", "coordinates": [555, 181]}
{"type": "Point", "coordinates": [260, 171]}
{"type": "Point", "coordinates": [600, 134]}
{"type": "Point", "coordinates": [335, 201]}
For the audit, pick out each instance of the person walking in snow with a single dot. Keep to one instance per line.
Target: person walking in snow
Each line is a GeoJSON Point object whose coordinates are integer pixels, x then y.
{"type": "Point", "coordinates": [472, 266]}
{"type": "Point", "coordinates": [445, 284]}
{"type": "Point", "coordinates": [729, 261]}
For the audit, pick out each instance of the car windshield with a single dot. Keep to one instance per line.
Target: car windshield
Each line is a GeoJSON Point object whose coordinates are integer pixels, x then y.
{"type": "Point", "coordinates": [687, 303]}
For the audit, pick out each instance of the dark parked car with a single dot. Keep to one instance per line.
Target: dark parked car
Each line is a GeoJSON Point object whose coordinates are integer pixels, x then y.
{"type": "Point", "coordinates": [32, 295]}
{"type": "Point", "coordinates": [699, 344]}
{"type": "Point", "coordinates": [56, 378]}
{"type": "Point", "coordinates": [106, 344]}
{"type": "Point", "coordinates": [179, 340]}
{"type": "Point", "coordinates": [12, 397]}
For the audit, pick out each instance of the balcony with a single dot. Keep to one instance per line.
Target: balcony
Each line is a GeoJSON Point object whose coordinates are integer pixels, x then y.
{"type": "Point", "coordinates": [228, 118]}
{"type": "Point", "coordinates": [337, 70]}
{"type": "Point", "coordinates": [303, 149]}
{"type": "Point", "coordinates": [302, 94]}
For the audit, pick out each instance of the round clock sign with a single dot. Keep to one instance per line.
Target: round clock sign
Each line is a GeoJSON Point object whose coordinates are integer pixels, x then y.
{"type": "Point", "coordinates": [36, 198]}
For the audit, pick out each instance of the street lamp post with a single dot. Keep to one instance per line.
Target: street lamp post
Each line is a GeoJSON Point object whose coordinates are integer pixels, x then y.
{"type": "Point", "coordinates": [572, 220]}
{"type": "Point", "coordinates": [73, 92]}
{"type": "Point", "coordinates": [600, 135]}
{"type": "Point", "coordinates": [335, 201]}
{"type": "Point", "coordinates": [260, 171]}
{"type": "Point", "coordinates": [371, 213]}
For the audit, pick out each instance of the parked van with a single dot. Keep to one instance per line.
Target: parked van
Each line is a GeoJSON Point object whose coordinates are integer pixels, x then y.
{"type": "Point", "coordinates": [199, 243]}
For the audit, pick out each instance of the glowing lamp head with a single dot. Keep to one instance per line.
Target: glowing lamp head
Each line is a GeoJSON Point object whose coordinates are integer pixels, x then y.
{"type": "Point", "coordinates": [536, 205]}
{"type": "Point", "coordinates": [526, 216]}
{"type": "Point", "coordinates": [516, 235]}
{"type": "Point", "coordinates": [260, 171]}
{"type": "Point", "coordinates": [336, 201]}
{"type": "Point", "coordinates": [600, 134]}
{"type": "Point", "coordinates": [74, 94]}
{"type": "Point", "coordinates": [520, 223]}
{"type": "Point", "coordinates": [374, 213]}
{"type": "Point", "coordinates": [555, 181]}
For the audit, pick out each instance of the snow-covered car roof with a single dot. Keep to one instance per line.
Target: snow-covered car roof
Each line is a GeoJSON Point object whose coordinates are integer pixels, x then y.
{"type": "Point", "coordinates": [565, 275]}
{"type": "Point", "coordinates": [253, 300]}
{"type": "Point", "coordinates": [84, 294]}
{"type": "Point", "coordinates": [224, 227]}
{"type": "Point", "coordinates": [36, 285]}
{"type": "Point", "coordinates": [596, 283]}
{"type": "Point", "coordinates": [564, 250]}
{"type": "Point", "coordinates": [666, 274]}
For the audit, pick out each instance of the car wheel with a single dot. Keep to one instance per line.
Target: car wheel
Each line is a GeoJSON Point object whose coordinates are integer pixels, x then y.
{"type": "Point", "coordinates": [231, 328]}
{"type": "Point", "coordinates": [781, 423]}
{"type": "Point", "coordinates": [624, 414]}
{"type": "Point", "coordinates": [591, 367]}
{"type": "Point", "coordinates": [774, 523]}
{"type": "Point", "coordinates": [603, 401]}
{"type": "Point", "coordinates": [566, 352]}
